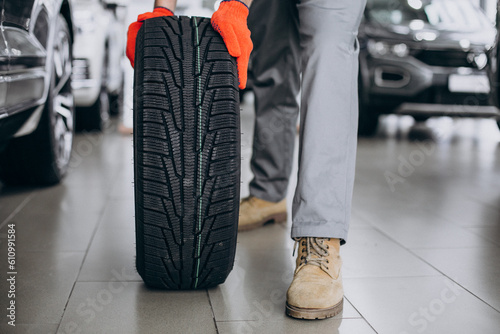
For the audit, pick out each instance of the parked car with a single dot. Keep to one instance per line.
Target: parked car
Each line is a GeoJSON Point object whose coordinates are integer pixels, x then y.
{"type": "Point", "coordinates": [36, 99]}
{"type": "Point", "coordinates": [98, 79]}
{"type": "Point", "coordinates": [425, 58]}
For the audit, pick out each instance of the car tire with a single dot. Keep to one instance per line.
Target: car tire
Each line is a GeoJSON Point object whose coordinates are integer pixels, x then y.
{"type": "Point", "coordinates": [368, 117]}
{"type": "Point", "coordinates": [43, 157]}
{"type": "Point", "coordinates": [116, 100]}
{"type": "Point", "coordinates": [186, 153]}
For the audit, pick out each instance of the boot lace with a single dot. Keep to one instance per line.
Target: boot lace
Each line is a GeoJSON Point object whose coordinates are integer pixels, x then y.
{"type": "Point", "coordinates": [316, 251]}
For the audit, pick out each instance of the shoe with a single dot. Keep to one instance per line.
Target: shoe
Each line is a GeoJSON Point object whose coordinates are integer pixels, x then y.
{"type": "Point", "coordinates": [316, 291]}
{"type": "Point", "coordinates": [256, 212]}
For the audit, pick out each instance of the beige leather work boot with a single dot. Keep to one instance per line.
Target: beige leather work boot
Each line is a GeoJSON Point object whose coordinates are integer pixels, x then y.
{"type": "Point", "coordinates": [316, 291]}
{"type": "Point", "coordinates": [256, 212]}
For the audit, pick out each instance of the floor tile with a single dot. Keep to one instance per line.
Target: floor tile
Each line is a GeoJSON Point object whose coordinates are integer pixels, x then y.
{"type": "Point", "coordinates": [111, 255]}
{"type": "Point", "coordinates": [416, 229]}
{"type": "Point", "coordinates": [130, 307]}
{"type": "Point", "coordinates": [257, 287]}
{"type": "Point", "coordinates": [29, 329]}
{"type": "Point", "coordinates": [257, 276]}
{"type": "Point", "coordinates": [358, 222]}
{"type": "Point", "coordinates": [13, 199]}
{"type": "Point", "coordinates": [68, 198]}
{"type": "Point", "coordinates": [471, 213]}
{"type": "Point", "coordinates": [369, 253]}
{"type": "Point", "coordinates": [43, 284]}
{"type": "Point", "coordinates": [123, 187]}
{"type": "Point", "coordinates": [269, 237]}
{"type": "Point", "coordinates": [56, 231]}
{"type": "Point", "coordinates": [292, 326]}
{"type": "Point", "coordinates": [477, 269]}
{"type": "Point", "coordinates": [404, 305]}
{"type": "Point", "coordinates": [491, 233]}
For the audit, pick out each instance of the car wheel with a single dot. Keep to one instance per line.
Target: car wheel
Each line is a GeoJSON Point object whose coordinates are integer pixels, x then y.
{"type": "Point", "coordinates": [368, 117]}
{"type": "Point", "coordinates": [96, 117]}
{"type": "Point", "coordinates": [187, 154]}
{"type": "Point", "coordinates": [116, 100]}
{"type": "Point", "coordinates": [42, 158]}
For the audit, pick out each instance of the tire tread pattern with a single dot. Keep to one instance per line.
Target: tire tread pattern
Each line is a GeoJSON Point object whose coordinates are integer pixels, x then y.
{"type": "Point", "coordinates": [170, 80]}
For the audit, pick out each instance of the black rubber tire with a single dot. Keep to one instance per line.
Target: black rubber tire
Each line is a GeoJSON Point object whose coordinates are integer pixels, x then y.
{"type": "Point", "coordinates": [186, 153]}
{"type": "Point", "coordinates": [42, 157]}
{"type": "Point", "coordinates": [368, 117]}
{"type": "Point", "coordinates": [116, 100]}
{"type": "Point", "coordinates": [95, 117]}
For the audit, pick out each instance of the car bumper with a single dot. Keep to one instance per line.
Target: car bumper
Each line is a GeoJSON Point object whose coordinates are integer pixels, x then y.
{"type": "Point", "coordinates": [86, 87]}
{"type": "Point", "coordinates": [409, 86]}
{"type": "Point", "coordinates": [451, 110]}
{"type": "Point", "coordinates": [21, 91]}
{"type": "Point", "coordinates": [12, 125]}
{"type": "Point", "coordinates": [21, 95]}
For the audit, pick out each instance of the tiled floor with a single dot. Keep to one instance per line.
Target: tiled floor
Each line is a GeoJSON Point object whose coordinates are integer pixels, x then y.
{"type": "Point", "coordinates": [423, 255]}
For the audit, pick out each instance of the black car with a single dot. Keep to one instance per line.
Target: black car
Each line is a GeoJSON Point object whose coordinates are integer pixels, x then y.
{"type": "Point", "coordinates": [36, 100]}
{"type": "Point", "coordinates": [425, 58]}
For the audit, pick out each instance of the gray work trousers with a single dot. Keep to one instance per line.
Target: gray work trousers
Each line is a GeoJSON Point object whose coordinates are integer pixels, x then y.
{"type": "Point", "coordinates": [315, 38]}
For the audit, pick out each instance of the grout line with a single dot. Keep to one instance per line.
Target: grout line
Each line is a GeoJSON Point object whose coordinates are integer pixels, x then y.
{"type": "Point", "coordinates": [454, 248]}
{"type": "Point", "coordinates": [435, 268]}
{"type": "Point", "coordinates": [18, 209]}
{"type": "Point", "coordinates": [362, 317]}
{"type": "Point", "coordinates": [94, 232]}
{"type": "Point", "coordinates": [213, 313]}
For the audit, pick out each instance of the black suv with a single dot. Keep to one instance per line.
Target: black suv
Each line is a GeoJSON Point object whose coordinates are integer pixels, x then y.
{"type": "Point", "coordinates": [36, 100]}
{"type": "Point", "coordinates": [425, 58]}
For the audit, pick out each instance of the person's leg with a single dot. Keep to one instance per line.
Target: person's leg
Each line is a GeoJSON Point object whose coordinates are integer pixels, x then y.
{"type": "Point", "coordinates": [275, 79]}
{"type": "Point", "coordinates": [329, 117]}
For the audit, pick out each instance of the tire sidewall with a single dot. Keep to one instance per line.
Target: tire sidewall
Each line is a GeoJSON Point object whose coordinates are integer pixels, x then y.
{"type": "Point", "coordinates": [50, 114]}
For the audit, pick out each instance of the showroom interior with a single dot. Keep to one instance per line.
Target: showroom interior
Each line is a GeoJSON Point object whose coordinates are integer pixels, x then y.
{"type": "Point", "coordinates": [423, 253]}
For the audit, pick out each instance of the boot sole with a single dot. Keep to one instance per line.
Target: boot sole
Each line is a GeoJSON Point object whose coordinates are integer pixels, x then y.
{"type": "Point", "coordinates": [277, 218]}
{"type": "Point", "coordinates": [313, 313]}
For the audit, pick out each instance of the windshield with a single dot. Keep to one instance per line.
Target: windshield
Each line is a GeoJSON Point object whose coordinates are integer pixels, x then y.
{"type": "Point", "coordinates": [441, 14]}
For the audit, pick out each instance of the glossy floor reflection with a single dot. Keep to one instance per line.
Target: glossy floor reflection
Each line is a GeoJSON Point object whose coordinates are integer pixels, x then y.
{"type": "Point", "coordinates": [422, 256]}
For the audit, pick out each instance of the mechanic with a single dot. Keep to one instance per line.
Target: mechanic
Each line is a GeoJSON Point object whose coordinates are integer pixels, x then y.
{"type": "Point", "coordinates": [318, 40]}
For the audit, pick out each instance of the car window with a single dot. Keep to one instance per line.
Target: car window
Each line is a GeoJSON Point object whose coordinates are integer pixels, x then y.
{"type": "Point", "coordinates": [442, 14]}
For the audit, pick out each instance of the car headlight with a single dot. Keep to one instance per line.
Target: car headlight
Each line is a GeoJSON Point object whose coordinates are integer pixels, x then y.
{"type": "Point", "coordinates": [481, 60]}
{"type": "Point", "coordinates": [379, 48]}
{"type": "Point", "coordinates": [400, 50]}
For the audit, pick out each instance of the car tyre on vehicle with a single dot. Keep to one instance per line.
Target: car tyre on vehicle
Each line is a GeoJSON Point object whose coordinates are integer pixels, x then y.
{"type": "Point", "coordinates": [42, 157]}
{"type": "Point", "coordinates": [116, 100]}
{"type": "Point", "coordinates": [368, 117]}
{"type": "Point", "coordinates": [186, 153]}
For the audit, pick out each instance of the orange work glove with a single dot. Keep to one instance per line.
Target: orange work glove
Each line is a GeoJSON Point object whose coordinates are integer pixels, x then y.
{"type": "Point", "coordinates": [230, 21]}
{"type": "Point", "coordinates": [134, 28]}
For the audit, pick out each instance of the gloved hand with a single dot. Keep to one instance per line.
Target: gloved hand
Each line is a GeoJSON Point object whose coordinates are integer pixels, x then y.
{"type": "Point", "coordinates": [230, 21]}
{"type": "Point", "coordinates": [134, 28]}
